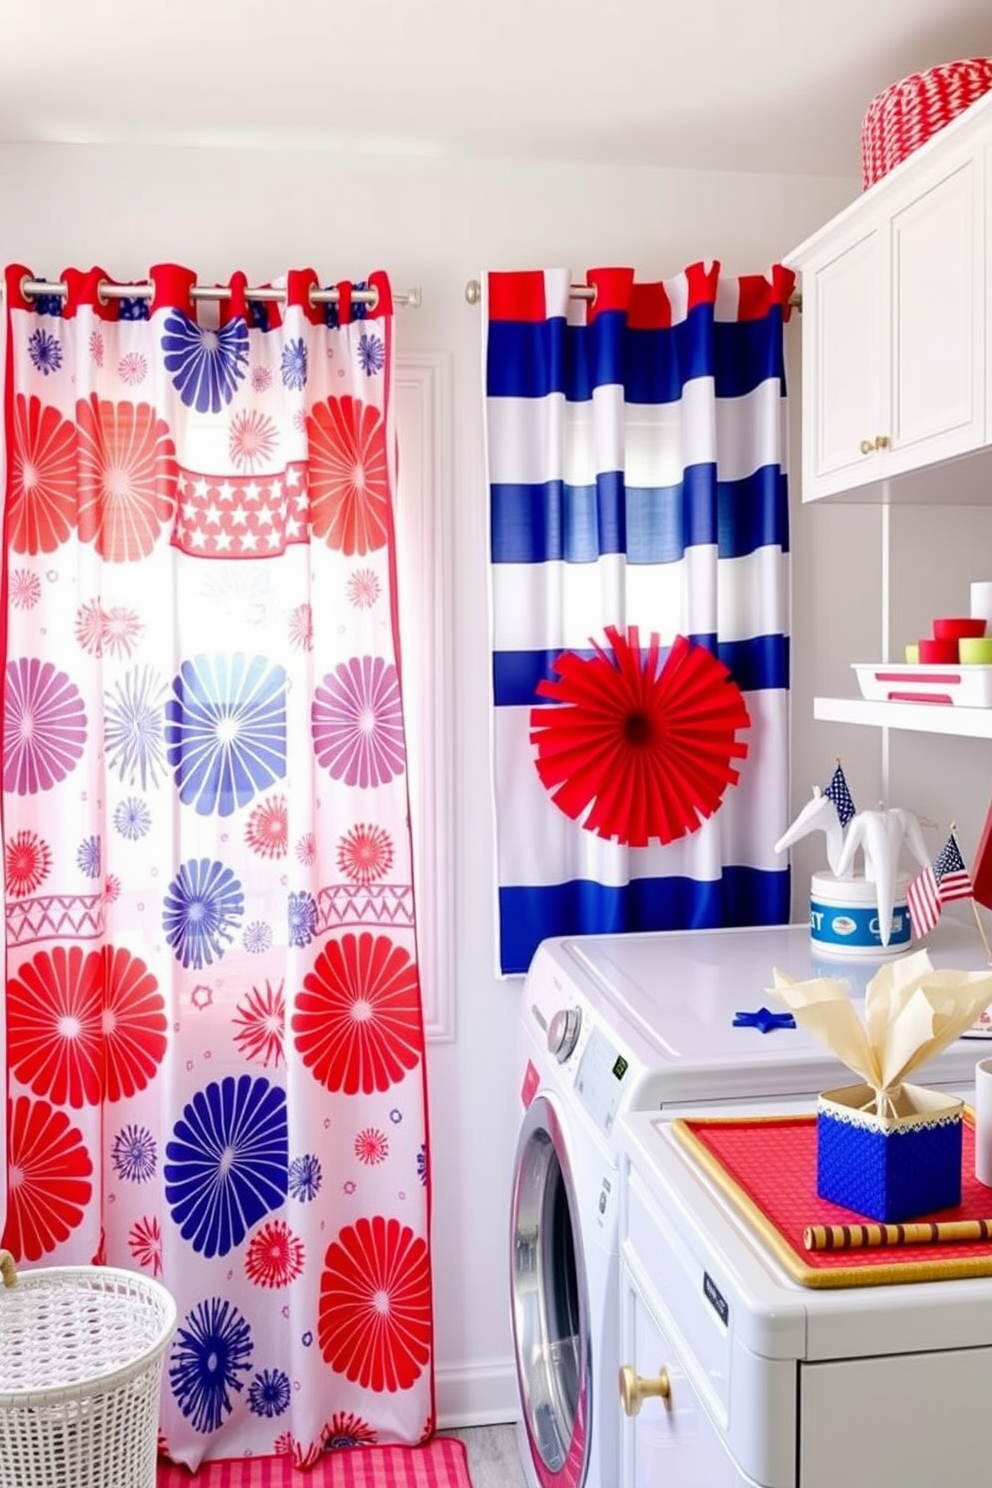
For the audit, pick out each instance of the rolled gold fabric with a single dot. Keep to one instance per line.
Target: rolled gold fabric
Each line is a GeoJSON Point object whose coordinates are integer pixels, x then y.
{"type": "Point", "coordinates": [875, 1236]}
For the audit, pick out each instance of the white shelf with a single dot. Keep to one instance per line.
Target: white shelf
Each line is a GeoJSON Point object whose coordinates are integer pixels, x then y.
{"type": "Point", "coordinates": [923, 718]}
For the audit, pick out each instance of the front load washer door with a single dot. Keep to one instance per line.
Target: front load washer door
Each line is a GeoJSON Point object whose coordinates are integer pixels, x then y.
{"type": "Point", "coordinates": [550, 1303]}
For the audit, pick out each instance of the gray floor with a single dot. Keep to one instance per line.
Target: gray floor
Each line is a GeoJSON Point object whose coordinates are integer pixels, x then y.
{"type": "Point", "coordinates": [492, 1456]}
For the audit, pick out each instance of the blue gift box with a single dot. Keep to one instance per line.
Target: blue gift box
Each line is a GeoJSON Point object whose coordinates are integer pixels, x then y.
{"type": "Point", "coordinates": [893, 1167]}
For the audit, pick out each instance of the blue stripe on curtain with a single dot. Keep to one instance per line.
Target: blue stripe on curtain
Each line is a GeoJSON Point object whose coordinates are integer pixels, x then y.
{"type": "Point", "coordinates": [761, 662]}
{"type": "Point", "coordinates": [742, 896]}
{"type": "Point", "coordinates": [527, 359]}
{"type": "Point", "coordinates": [553, 520]}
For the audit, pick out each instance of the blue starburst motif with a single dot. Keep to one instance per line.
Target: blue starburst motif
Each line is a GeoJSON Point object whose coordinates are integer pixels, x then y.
{"type": "Point", "coordinates": [132, 818]}
{"type": "Point", "coordinates": [302, 919]}
{"type": "Point", "coordinates": [45, 351]}
{"type": "Point", "coordinates": [371, 354]}
{"type": "Point", "coordinates": [293, 364]}
{"type": "Point", "coordinates": [227, 1165]}
{"type": "Point", "coordinates": [211, 1352]}
{"type": "Point", "coordinates": [268, 1393]}
{"type": "Point", "coordinates": [206, 366]}
{"type": "Point", "coordinates": [422, 1164]}
{"type": "Point", "coordinates": [257, 937]}
{"type": "Point", "coordinates": [305, 1177]}
{"type": "Point", "coordinates": [88, 856]}
{"type": "Point", "coordinates": [132, 728]}
{"type": "Point", "coordinates": [134, 1154]}
{"type": "Point", "coordinates": [204, 904]}
{"type": "Point", "coordinates": [225, 731]}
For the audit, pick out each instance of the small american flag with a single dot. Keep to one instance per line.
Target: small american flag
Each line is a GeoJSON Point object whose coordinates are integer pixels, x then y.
{"type": "Point", "coordinates": [936, 885]}
{"type": "Point", "coordinates": [837, 791]}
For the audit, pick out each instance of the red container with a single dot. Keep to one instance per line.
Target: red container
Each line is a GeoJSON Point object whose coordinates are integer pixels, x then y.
{"type": "Point", "coordinates": [905, 115]}
{"type": "Point", "coordinates": [953, 627]}
{"type": "Point", "coordinates": [939, 653]}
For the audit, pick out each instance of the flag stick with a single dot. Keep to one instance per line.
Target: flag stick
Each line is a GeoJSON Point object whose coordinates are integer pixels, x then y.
{"type": "Point", "coordinates": [974, 910]}
{"type": "Point", "coordinates": [981, 931]}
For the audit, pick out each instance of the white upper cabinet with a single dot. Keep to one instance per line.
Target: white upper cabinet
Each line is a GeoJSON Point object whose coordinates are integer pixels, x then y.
{"type": "Point", "coordinates": [895, 296]}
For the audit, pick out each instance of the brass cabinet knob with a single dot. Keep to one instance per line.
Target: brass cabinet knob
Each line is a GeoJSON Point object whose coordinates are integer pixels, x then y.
{"type": "Point", "coordinates": [635, 1389]}
{"type": "Point", "coordinates": [881, 441]}
{"type": "Point", "coordinates": [8, 1273]}
{"type": "Point", "coordinates": [867, 446]}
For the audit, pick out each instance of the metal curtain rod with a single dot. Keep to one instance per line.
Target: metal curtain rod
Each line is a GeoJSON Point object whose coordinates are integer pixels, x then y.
{"type": "Point", "coordinates": [108, 291]}
{"type": "Point", "coordinates": [473, 293]}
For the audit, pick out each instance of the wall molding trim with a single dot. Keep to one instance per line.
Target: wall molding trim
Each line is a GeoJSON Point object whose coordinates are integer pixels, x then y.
{"type": "Point", "coordinates": [478, 1394]}
{"type": "Point", "coordinates": [423, 421]}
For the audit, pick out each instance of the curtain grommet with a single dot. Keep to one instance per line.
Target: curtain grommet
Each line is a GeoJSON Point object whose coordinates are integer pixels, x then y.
{"type": "Point", "coordinates": [25, 293]}
{"type": "Point", "coordinates": [101, 298]}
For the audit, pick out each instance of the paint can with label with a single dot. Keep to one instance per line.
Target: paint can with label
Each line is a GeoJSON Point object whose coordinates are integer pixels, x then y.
{"type": "Point", "coordinates": [843, 918]}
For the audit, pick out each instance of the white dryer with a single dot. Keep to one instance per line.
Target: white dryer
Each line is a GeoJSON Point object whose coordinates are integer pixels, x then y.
{"type": "Point", "coordinates": [616, 1024]}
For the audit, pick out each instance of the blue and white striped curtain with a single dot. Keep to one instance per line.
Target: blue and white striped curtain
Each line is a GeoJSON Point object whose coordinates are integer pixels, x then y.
{"type": "Point", "coordinates": [638, 490]}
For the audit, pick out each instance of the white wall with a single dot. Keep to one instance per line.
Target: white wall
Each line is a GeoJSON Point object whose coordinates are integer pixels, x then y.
{"type": "Point", "coordinates": [438, 223]}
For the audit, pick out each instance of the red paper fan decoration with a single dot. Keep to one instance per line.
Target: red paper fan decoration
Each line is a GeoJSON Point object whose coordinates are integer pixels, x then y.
{"type": "Point", "coordinates": [638, 752]}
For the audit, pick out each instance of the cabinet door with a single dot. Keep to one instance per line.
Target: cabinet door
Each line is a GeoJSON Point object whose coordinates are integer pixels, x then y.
{"type": "Point", "coordinates": [844, 322]}
{"type": "Point", "coordinates": [916, 1420]}
{"type": "Point", "coordinates": [670, 1441]}
{"type": "Point", "coordinates": [938, 317]}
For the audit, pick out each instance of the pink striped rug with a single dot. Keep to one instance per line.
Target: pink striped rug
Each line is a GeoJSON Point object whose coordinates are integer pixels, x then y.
{"type": "Point", "coordinates": [440, 1463]}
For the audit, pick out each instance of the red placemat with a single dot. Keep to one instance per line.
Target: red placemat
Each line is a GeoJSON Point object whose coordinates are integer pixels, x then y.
{"type": "Point", "coordinates": [766, 1167]}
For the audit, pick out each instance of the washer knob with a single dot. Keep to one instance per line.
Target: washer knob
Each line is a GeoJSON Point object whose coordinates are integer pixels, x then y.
{"type": "Point", "coordinates": [563, 1032]}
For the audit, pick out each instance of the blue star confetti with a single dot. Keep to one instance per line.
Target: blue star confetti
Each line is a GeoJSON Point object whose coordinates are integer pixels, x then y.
{"type": "Point", "coordinates": [764, 1020]}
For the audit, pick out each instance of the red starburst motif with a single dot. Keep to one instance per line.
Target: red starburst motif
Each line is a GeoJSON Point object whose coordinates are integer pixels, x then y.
{"type": "Point", "coordinates": [89, 627]}
{"type": "Point", "coordinates": [301, 628]}
{"type": "Point", "coordinates": [374, 1319]}
{"type": "Point", "coordinates": [41, 493]}
{"type": "Point", "coordinates": [363, 588]}
{"type": "Point", "coordinates": [134, 1024]}
{"type": "Point", "coordinates": [365, 854]}
{"type": "Point", "coordinates": [306, 849]}
{"type": "Point", "coordinates": [275, 1256]}
{"type": "Point", "coordinates": [144, 1241]}
{"type": "Point", "coordinates": [304, 1455]}
{"type": "Point", "coordinates": [111, 888]}
{"type": "Point", "coordinates": [349, 475]}
{"type": "Point", "coordinates": [27, 861]}
{"type": "Point", "coordinates": [371, 1146]}
{"type": "Point", "coordinates": [637, 751]}
{"type": "Point", "coordinates": [358, 1020]}
{"type": "Point", "coordinates": [121, 629]}
{"type": "Point", "coordinates": [54, 1025]}
{"type": "Point", "coordinates": [267, 828]}
{"type": "Point", "coordinates": [345, 1429]}
{"type": "Point", "coordinates": [127, 477]}
{"type": "Point", "coordinates": [24, 589]}
{"type": "Point", "coordinates": [261, 1022]}
{"type": "Point", "coordinates": [48, 1179]}
{"type": "Point", "coordinates": [253, 437]}
{"type": "Point", "coordinates": [132, 368]}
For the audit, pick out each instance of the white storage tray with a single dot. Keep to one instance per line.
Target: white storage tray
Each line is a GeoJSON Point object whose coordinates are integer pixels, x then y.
{"type": "Point", "coordinates": [900, 682]}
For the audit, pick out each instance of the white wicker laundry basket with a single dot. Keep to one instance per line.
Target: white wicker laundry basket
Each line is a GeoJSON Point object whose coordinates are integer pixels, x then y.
{"type": "Point", "coordinates": [81, 1354]}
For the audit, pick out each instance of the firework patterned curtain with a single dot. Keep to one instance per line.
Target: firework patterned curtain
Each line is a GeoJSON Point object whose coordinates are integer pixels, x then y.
{"type": "Point", "coordinates": [214, 1042]}
{"type": "Point", "coordinates": [639, 601]}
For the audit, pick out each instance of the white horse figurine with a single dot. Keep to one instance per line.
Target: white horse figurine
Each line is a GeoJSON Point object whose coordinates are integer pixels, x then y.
{"type": "Point", "coordinates": [881, 835]}
{"type": "Point", "coordinates": [819, 815]}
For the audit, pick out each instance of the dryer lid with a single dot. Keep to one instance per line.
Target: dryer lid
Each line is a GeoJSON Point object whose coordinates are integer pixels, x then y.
{"type": "Point", "coordinates": [673, 996]}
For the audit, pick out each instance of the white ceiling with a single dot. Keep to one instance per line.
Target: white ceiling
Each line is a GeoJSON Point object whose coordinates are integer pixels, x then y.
{"type": "Point", "coordinates": [712, 84]}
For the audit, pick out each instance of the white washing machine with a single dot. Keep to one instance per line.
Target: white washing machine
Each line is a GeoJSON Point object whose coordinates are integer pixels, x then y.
{"type": "Point", "coordinates": [616, 1024]}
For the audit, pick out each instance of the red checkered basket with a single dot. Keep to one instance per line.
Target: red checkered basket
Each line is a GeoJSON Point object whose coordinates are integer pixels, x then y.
{"type": "Point", "coordinates": [903, 116]}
